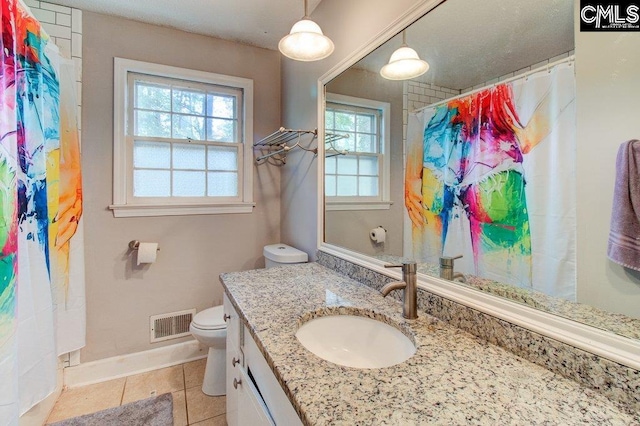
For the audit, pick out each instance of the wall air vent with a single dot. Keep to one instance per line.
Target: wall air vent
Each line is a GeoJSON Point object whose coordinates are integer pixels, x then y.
{"type": "Point", "coordinates": [171, 325]}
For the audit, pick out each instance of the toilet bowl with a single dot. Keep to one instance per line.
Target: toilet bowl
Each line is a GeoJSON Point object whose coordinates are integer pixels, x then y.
{"type": "Point", "coordinates": [208, 328]}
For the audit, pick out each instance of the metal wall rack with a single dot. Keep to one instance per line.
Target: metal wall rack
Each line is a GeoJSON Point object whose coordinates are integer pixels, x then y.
{"type": "Point", "coordinates": [280, 142]}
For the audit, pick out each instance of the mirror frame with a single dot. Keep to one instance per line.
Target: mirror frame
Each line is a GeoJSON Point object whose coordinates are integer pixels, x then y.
{"type": "Point", "coordinates": [606, 344]}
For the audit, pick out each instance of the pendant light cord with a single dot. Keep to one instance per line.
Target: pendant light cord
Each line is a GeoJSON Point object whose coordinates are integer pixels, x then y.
{"type": "Point", "coordinates": [305, 10]}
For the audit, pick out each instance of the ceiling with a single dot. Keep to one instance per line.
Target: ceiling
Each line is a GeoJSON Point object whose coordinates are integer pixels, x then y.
{"type": "Point", "coordinates": [470, 42]}
{"type": "Point", "coordinates": [259, 23]}
{"type": "Point", "coordinates": [466, 42]}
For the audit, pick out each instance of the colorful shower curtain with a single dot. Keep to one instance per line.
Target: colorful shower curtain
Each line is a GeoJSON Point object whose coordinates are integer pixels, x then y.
{"type": "Point", "coordinates": [491, 176]}
{"type": "Point", "coordinates": [41, 204]}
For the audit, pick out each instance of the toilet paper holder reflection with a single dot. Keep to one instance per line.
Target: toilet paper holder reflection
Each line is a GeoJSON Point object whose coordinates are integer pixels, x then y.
{"type": "Point", "coordinates": [134, 244]}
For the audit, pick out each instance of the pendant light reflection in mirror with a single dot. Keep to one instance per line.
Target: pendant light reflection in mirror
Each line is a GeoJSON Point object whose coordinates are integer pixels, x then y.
{"type": "Point", "coordinates": [404, 63]}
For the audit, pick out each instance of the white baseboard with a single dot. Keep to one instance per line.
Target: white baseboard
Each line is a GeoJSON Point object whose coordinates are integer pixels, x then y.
{"type": "Point", "coordinates": [125, 365]}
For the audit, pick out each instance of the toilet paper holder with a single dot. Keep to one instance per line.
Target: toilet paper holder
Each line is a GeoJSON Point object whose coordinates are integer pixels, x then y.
{"type": "Point", "coordinates": [134, 244]}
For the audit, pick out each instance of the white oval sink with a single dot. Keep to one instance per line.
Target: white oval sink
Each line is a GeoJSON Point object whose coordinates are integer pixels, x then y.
{"type": "Point", "coordinates": [355, 341]}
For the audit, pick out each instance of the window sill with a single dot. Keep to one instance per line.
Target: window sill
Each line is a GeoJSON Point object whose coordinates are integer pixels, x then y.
{"type": "Point", "coordinates": [146, 210]}
{"type": "Point", "coordinates": [358, 205]}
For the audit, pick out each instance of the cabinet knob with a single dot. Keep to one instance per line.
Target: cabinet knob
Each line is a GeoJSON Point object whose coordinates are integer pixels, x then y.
{"type": "Point", "coordinates": [236, 382]}
{"type": "Point", "coordinates": [225, 317]}
{"type": "Point", "coordinates": [235, 361]}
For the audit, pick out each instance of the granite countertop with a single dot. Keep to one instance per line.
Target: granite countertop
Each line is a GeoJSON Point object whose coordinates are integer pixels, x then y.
{"type": "Point", "coordinates": [454, 377]}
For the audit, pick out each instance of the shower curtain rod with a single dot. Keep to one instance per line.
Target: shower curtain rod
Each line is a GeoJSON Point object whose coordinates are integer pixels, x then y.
{"type": "Point", "coordinates": [548, 66]}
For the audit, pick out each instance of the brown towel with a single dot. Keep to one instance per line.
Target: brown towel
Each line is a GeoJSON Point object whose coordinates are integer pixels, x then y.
{"type": "Point", "coordinates": [624, 236]}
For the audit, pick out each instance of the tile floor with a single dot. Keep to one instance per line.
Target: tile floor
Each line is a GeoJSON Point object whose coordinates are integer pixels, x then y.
{"type": "Point", "coordinates": [190, 405]}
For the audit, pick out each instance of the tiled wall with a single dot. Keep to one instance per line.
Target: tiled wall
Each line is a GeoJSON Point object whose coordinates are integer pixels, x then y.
{"type": "Point", "coordinates": [64, 26]}
{"type": "Point", "coordinates": [418, 95]}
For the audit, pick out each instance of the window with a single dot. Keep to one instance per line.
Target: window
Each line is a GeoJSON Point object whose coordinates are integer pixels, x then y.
{"type": "Point", "coordinates": [357, 165]}
{"type": "Point", "coordinates": [181, 141]}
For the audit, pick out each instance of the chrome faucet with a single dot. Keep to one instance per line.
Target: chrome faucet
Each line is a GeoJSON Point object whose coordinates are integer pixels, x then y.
{"type": "Point", "coordinates": [409, 284]}
{"type": "Point", "coordinates": [447, 267]}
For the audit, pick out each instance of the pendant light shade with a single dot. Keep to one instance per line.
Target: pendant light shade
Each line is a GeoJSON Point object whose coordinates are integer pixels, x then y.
{"type": "Point", "coordinates": [305, 41]}
{"type": "Point", "coordinates": [404, 64]}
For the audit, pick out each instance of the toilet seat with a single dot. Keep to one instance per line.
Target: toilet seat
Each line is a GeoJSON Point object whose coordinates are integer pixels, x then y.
{"type": "Point", "coordinates": [210, 319]}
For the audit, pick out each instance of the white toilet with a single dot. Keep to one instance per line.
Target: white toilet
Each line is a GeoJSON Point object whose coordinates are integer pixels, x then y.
{"type": "Point", "coordinates": [282, 254]}
{"type": "Point", "coordinates": [209, 328]}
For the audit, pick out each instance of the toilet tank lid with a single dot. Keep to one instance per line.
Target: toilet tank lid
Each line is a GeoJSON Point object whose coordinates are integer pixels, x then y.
{"type": "Point", "coordinates": [283, 253]}
{"type": "Point", "coordinates": [210, 318]}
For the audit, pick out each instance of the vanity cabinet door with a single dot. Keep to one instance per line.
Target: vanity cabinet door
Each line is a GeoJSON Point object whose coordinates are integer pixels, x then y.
{"type": "Point", "coordinates": [233, 360]}
{"type": "Point", "coordinates": [252, 410]}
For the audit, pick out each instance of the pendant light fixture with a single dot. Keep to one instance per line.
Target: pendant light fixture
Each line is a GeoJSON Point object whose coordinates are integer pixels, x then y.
{"type": "Point", "coordinates": [305, 42]}
{"type": "Point", "coordinates": [404, 63]}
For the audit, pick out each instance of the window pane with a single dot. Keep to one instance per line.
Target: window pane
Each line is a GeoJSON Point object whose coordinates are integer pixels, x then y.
{"type": "Point", "coordinates": [221, 130]}
{"type": "Point", "coordinates": [366, 124]}
{"type": "Point", "coordinates": [368, 186]}
{"type": "Point", "coordinates": [330, 165]}
{"type": "Point", "coordinates": [222, 184]}
{"type": "Point", "coordinates": [366, 143]}
{"type": "Point", "coordinates": [368, 165]}
{"type": "Point", "coordinates": [188, 184]}
{"type": "Point", "coordinates": [347, 185]}
{"type": "Point", "coordinates": [188, 101]}
{"type": "Point", "coordinates": [347, 143]}
{"type": "Point", "coordinates": [222, 158]}
{"type": "Point", "coordinates": [152, 124]}
{"type": "Point", "coordinates": [149, 96]}
{"type": "Point", "coordinates": [188, 127]}
{"type": "Point", "coordinates": [221, 106]}
{"type": "Point", "coordinates": [151, 183]}
{"type": "Point", "coordinates": [347, 165]}
{"type": "Point", "coordinates": [330, 186]}
{"type": "Point", "coordinates": [187, 156]}
{"type": "Point", "coordinates": [345, 121]}
{"type": "Point", "coordinates": [151, 155]}
{"type": "Point", "coordinates": [328, 119]}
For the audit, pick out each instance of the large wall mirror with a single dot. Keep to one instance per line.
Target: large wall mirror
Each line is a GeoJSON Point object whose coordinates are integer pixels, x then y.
{"type": "Point", "coordinates": [474, 158]}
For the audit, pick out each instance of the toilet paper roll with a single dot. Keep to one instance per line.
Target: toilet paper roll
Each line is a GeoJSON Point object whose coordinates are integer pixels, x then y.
{"type": "Point", "coordinates": [147, 252]}
{"type": "Point", "coordinates": [378, 235]}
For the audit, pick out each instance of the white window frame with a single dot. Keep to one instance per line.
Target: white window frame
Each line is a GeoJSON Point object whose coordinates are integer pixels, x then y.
{"type": "Point", "coordinates": [124, 205]}
{"type": "Point", "coordinates": [384, 200]}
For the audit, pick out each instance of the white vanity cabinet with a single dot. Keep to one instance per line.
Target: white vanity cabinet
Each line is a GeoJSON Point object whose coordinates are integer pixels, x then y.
{"type": "Point", "coordinates": [233, 361]}
{"type": "Point", "coordinates": [254, 396]}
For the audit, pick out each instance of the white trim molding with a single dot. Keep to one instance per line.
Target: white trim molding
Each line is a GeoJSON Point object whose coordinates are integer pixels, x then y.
{"type": "Point", "coordinates": [140, 362]}
{"type": "Point", "coordinates": [122, 206]}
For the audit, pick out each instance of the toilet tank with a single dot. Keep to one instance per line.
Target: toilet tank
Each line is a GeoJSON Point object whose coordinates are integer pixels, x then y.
{"type": "Point", "coordinates": [282, 254]}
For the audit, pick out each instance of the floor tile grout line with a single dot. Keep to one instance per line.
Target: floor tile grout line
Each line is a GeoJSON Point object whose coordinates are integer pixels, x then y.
{"type": "Point", "coordinates": [126, 379]}
{"type": "Point", "coordinates": [184, 389]}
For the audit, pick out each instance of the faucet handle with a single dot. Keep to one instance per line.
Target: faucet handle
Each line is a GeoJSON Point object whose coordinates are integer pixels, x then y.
{"type": "Point", "coordinates": [408, 266]}
{"type": "Point", "coordinates": [448, 261]}
{"type": "Point", "coordinates": [393, 266]}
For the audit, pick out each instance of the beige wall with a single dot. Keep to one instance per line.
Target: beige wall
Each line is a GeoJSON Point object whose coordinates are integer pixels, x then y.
{"type": "Point", "coordinates": [194, 249]}
{"type": "Point", "coordinates": [351, 228]}
{"type": "Point", "coordinates": [608, 113]}
{"type": "Point", "coordinates": [350, 24]}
